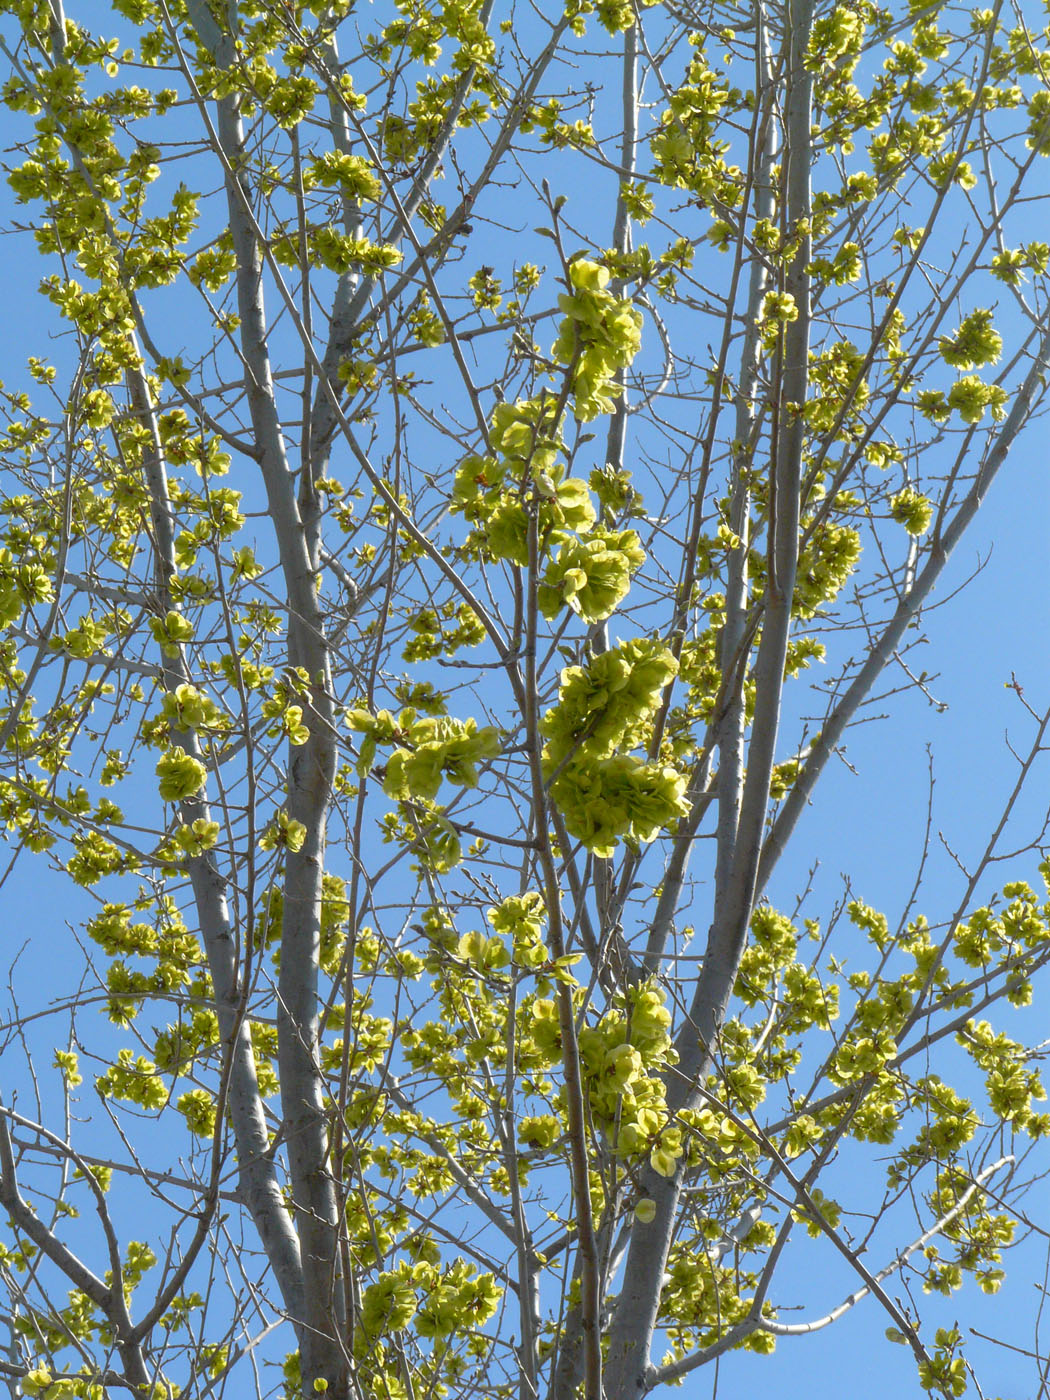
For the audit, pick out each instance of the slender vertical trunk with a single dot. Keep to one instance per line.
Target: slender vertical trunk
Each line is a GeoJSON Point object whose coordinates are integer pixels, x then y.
{"type": "Point", "coordinates": [258, 1180]}
{"type": "Point", "coordinates": [733, 723]}
{"type": "Point", "coordinates": [617, 436]}
{"type": "Point", "coordinates": [311, 769]}
{"type": "Point", "coordinates": [629, 1369]}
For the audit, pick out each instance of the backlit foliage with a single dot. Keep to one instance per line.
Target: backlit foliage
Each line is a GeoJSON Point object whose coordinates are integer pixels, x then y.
{"type": "Point", "coordinates": [436, 484]}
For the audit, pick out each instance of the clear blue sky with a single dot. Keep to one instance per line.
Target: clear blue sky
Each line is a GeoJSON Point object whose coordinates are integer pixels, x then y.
{"type": "Point", "coordinates": [865, 823]}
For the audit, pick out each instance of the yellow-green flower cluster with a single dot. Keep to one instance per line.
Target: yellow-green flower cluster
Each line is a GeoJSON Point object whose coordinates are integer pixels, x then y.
{"type": "Point", "coordinates": [589, 566]}
{"type": "Point", "coordinates": [21, 585]}
{"type": "Point", "coordinates": [834, 37]}
{"type": "Point", "coordinates": [525, 438]}
{"type": "Point", "coordinates": [601, 334]}
{"type": "Point", "coordinates": [970, 396]}
{"type": "Point", "coordinates": [621, 1059]}
{"type": "Point", "coordinates": [605, 793]}
{"type": "Point", "coordinates": [439, 747]}
{"type": "Point", "coordinates": [430, 750]}
{"type": "Point", "coordinates": [824, 566]}
{"type": "Point", "coordinates": [523, 917]}
{"type": "Point", "coordinates": [181, 775]}
{"type": "Point", "coordinates": [187, 708]}
{"type": "Point", "coordinates": [624, 1058]}
{"type": "Point", "coordinates": [836, 375]}
{"type": "Point", "coordinates": [975, 343]}
{"type": "Point", "coordinates": [437, 1303]}
{"type": "Point", "coordinates": [591, 575]}
{"type": "Point", "coordinates": [352, 176]}
{"type": "Point", "coordinates": [911, 509]}
{"type": "Point", "coordinates": [688, 149]}
{"type": "Point", "coordinates": [1039, 123]}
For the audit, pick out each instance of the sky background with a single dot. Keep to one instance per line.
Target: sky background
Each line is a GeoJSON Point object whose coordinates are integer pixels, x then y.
{"type": "Point", "coordinates": [866, 824]}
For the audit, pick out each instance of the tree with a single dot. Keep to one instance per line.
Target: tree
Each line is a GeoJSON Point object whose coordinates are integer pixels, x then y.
{"type": "Point", "coordinates": [407, 613]}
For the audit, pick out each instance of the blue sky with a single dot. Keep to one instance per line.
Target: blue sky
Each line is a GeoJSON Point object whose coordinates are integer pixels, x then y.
{"type": "Point", "coordinates": [865, 823]}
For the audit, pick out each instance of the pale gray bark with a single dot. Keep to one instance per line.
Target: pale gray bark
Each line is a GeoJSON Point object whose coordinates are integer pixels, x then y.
{"type": "Point", "coordinates": [629, 1372]}
{"type": "Point", "coordinates": [320, 1321]}
{"type": "Point", "coordinates": [107, 1297]}
{"type": "Point", "coordinates": [311, 767]}
{"type": "Point", "coordinates": [734, 649]}
{"type": "Point", "coordinates": [260, 1189]}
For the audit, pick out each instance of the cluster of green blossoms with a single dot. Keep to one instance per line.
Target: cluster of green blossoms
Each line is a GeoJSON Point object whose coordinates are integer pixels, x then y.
{"type": "Point", "coordinates": [689, 148]}
{"type": "Point", "coordinates": [605, 792]}
{"type": "Point", "coordinates": [588, 566]}
{"type": "Point", "coordinates": [601, 335]}
{"type": "Point", "coordinates": [975, 343]}
{"type": "Point", "coordinates": [430, 750]}
{"type": "Point", "coordinates": [491, 491]}
{"type": "Point", "coordinates": [436, 1302]}
{"type": "Point", "coordinates": [624, 1058]}
{"type": "Point", "coordinates": [522, 916]}
{"type": "Point", "coordinates": [912, 510]}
